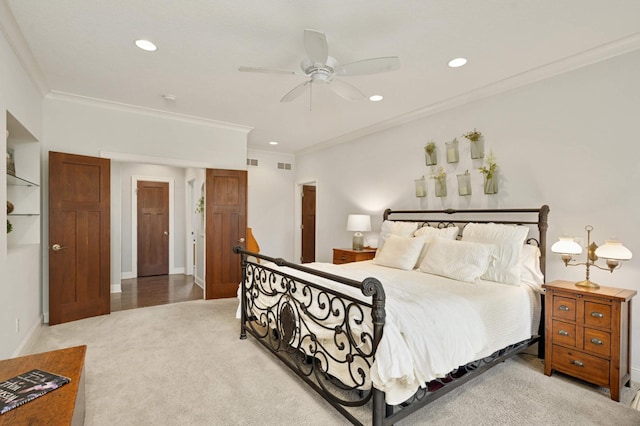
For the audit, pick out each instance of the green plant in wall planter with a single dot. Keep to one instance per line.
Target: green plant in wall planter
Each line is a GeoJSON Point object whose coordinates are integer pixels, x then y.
{"type": "Point", "coordinates": [476, 143]}
{"type": "Point", "coordinates": [489, 170]}
{"type": "Point", "coordinates": [430, 154]}
{"type": "Point", "coordinates": [440, 181]}
{"type": "Point", "coordinates": [9, 226]}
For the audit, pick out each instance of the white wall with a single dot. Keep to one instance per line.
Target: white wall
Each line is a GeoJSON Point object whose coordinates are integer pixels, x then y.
{"type": "Point", "coordinates": [270, 203]}
{"type": "Point", "coordinates": [20, 290]}
{"type": "Point", "coordinates": [570, 141]}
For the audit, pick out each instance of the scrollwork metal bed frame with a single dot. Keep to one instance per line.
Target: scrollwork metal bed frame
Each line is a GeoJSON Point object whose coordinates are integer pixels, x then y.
{"type": "Point", "coordinates": [299, 308]}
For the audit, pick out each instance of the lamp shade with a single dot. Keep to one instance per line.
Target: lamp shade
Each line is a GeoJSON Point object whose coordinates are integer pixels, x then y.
{"type": "Point", "coordinates": [566, 245]}
{"type": "Point", "coordinates": [613, 250]}
{"type": "Point", "coordinates": [359, 223]}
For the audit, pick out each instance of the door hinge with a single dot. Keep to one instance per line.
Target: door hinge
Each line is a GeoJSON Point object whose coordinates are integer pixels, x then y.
{"type": "Point", "coordinates": [301, 226]}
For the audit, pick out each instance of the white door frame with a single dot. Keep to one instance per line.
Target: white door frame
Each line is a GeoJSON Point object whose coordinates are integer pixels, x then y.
{"type": "Point", "coordinates": [297, 222]}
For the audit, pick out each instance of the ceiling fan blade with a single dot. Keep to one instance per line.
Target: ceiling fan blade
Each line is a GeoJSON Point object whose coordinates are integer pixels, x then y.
{"type": "Point", "coordinates": [268, 70]}
{"type": "Point", "coordinates": [369, 66]}
{"type": "Point", "coordinates": [295, 92]}
{"type": "Point", "coordinates": [315, 43]}
{"type": "Point", "coordinates": [346, 90]}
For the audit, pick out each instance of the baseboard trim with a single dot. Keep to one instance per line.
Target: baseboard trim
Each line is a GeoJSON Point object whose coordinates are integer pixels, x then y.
{"type": "Point", "coordinates": [31, 336]}
{"type": "Point", "coordinates": [128, 275]}
{"type": "Point", "coordinates": [199, 282]}
{"type": "Point", "coordinates": [116, 288]}
{"type": "Point", "coordinates": [635, 374]}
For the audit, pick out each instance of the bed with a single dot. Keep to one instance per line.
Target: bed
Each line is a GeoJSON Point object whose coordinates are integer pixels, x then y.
{"type": "Point", "coordinates": [449, 294]}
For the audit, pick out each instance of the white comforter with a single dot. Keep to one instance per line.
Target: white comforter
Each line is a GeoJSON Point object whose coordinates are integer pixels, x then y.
{"type": "Point", "coordinates": [435, 324]}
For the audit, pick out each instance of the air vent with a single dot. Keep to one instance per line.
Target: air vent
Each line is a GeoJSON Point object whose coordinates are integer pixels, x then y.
{"type": "Point", "coordinates": [284, 166]}
{"type": "Point", "coordinates": [252, 162]}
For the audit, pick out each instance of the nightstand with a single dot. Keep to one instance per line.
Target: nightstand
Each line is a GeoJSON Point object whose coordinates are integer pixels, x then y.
{"type": "Point", "coordinates": [588, 334]}
{"type": "Point", "coordinates": [348, 255]}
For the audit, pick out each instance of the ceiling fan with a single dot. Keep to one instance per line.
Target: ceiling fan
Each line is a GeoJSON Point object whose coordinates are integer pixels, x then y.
{"type": "Point", "coordinates": [319, 67]}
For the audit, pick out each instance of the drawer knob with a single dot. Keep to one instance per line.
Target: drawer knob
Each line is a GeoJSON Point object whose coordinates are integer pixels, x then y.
{"type": "Point", "coordinates": [596, 341]}
{"type": "Point", "coordinates": [563, 333]}
{"type": "Point", "coordinates": [597, 314]}
{"type": "Point", "coordinates": [564, 308]}
{"type": "Point", "coordinates": [343, 257]}
{"type": "Point", "coordinates": [578, 363]}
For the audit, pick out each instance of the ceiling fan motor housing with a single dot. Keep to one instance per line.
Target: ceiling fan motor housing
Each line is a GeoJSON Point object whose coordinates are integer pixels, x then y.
{"type": "Point", "coordinates": [319, 72]}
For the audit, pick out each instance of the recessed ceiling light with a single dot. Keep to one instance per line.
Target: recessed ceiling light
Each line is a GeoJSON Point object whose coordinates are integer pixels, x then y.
{"type": "Point", "coordinates": [146, 45]}
{"type": "Point", "coordinates": [457, 62]}
{"type": "Point", "coordinates": [273, 143]}
{"type": "Point", "coordinates": [375, 98]}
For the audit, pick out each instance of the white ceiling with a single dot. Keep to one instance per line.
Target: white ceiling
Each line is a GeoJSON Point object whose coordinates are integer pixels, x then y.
{"type": "Point", "coordinates": [85, 48]}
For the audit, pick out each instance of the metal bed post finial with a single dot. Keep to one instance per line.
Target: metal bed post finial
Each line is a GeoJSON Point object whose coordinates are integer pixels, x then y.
{"type": "Point", "coordinates": [373, 287]}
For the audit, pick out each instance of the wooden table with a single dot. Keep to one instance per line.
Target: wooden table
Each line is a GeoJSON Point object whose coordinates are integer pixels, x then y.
{"type": "Point", "coordinates": [63, 406]}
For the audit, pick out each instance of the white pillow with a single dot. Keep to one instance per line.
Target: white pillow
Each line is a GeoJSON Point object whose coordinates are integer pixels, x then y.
{"type": "Point", "coordinates": [405, 229]}
{"type": "Point", "coordinates": [458, 260]}
{"type": "Point", "coordinates": [399, 252]}
{"type": "Point", "coordinates": [428, 233]}
{"type": "Point", "coordinates": [389, 227]}
{"type": "Point", "coordinates": [530, 261]}
{"type": "Point", "coordinates": [449, 233]}
{"type": "Point", "coordinates": [509, 240]}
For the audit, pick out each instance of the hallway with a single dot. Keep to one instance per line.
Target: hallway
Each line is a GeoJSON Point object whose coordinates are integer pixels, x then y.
{"type": "Point", "coordinates": [155, 290]}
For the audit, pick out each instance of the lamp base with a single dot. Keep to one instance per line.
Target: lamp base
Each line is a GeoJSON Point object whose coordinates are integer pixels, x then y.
{"type": "Point", "coordinates": [358, 241]}
{"type": "Point", "coordinates": [587, 284]}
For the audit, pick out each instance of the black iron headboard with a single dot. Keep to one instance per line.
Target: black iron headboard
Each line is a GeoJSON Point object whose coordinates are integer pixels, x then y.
{"type": "Point", "coordinates": [449, 217]}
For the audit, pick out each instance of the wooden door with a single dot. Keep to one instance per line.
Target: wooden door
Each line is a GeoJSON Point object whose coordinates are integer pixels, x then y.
{"type": "Point", "coordinates": [308, 224]}
{"type": "Point", "coordinates": [153, 228]}
{"type": "Point", "coordinates": [226, 224]}
{"type": "Point", "coordinates": [79, 237]}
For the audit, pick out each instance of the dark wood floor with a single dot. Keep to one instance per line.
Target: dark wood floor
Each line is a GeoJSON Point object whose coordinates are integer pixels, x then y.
{"type": "Point", "coordinates": [157, 290]}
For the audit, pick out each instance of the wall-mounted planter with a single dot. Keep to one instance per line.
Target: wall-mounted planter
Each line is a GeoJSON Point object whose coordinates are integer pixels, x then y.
{"type": "Point", "coordinates": [430, 154]}
{"type": "Point", "coordinates": [421, 187]}
{"type": "Point", "coordinates": [464, 184]}
{"type": "Point", "coordinates": [477, 148]}
{"type": "Point", "coordinates": [452, 151]}
{"type": "Point", "coordinates": [490, 184]}
{"type": "Point", "coordinates": [441, 187]}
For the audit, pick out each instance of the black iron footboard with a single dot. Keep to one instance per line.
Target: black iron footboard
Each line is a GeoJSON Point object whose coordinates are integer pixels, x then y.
{"type": "Point", "coordinates": [321, 332]}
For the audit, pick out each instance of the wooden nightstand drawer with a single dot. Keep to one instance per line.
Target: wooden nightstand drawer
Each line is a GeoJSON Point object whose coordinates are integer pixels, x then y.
{"type": "Point", "coordinates": [341, 256]}
{"type": "Point", "coordinates": [597, 315]}
{"type": "Point", "coordinates": [597, 342]}
{"type": "Point", "coordinates": [564, 333]}
{"type": "Point", "coordinates": [564, 308]}
{"type": "Point", "coordinates": [580, 365]}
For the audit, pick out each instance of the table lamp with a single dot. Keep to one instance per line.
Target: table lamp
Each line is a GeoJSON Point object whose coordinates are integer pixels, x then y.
{"type": "Point", "coordinates": [612, 251]}
{"type": "Point", "coordinates": [358, 223]}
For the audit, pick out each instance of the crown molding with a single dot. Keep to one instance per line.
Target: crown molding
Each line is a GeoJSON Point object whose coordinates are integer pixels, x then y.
{"type": "Point", "coordinates": [20, 47]}
{"type": "Point", "coordinates": [588, 57]}
{"type": "Point", "coordinates": [101, 103]}
{"type": "Point", "coordinates": [149, 159]}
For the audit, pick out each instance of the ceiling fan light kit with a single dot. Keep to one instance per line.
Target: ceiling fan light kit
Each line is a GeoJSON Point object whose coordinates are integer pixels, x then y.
{"type": "Point", "coordinates": [319, 67]}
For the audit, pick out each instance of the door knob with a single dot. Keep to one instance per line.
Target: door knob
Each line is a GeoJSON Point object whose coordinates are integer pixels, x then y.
{"type": "Point", "coordinates": [165, 233]}
{"type": "Point", "coordinates": [57, 247]}
{"type": "Point", "coordinates": [241, 240]}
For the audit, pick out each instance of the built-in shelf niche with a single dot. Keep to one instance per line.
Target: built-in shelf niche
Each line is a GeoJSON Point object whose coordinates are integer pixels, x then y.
{"type": "Point", "coordinates": [23, 188]}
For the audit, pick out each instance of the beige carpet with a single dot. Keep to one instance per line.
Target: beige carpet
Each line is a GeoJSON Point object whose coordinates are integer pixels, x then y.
{"type": "Point", "coordinates": [183, 364]}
